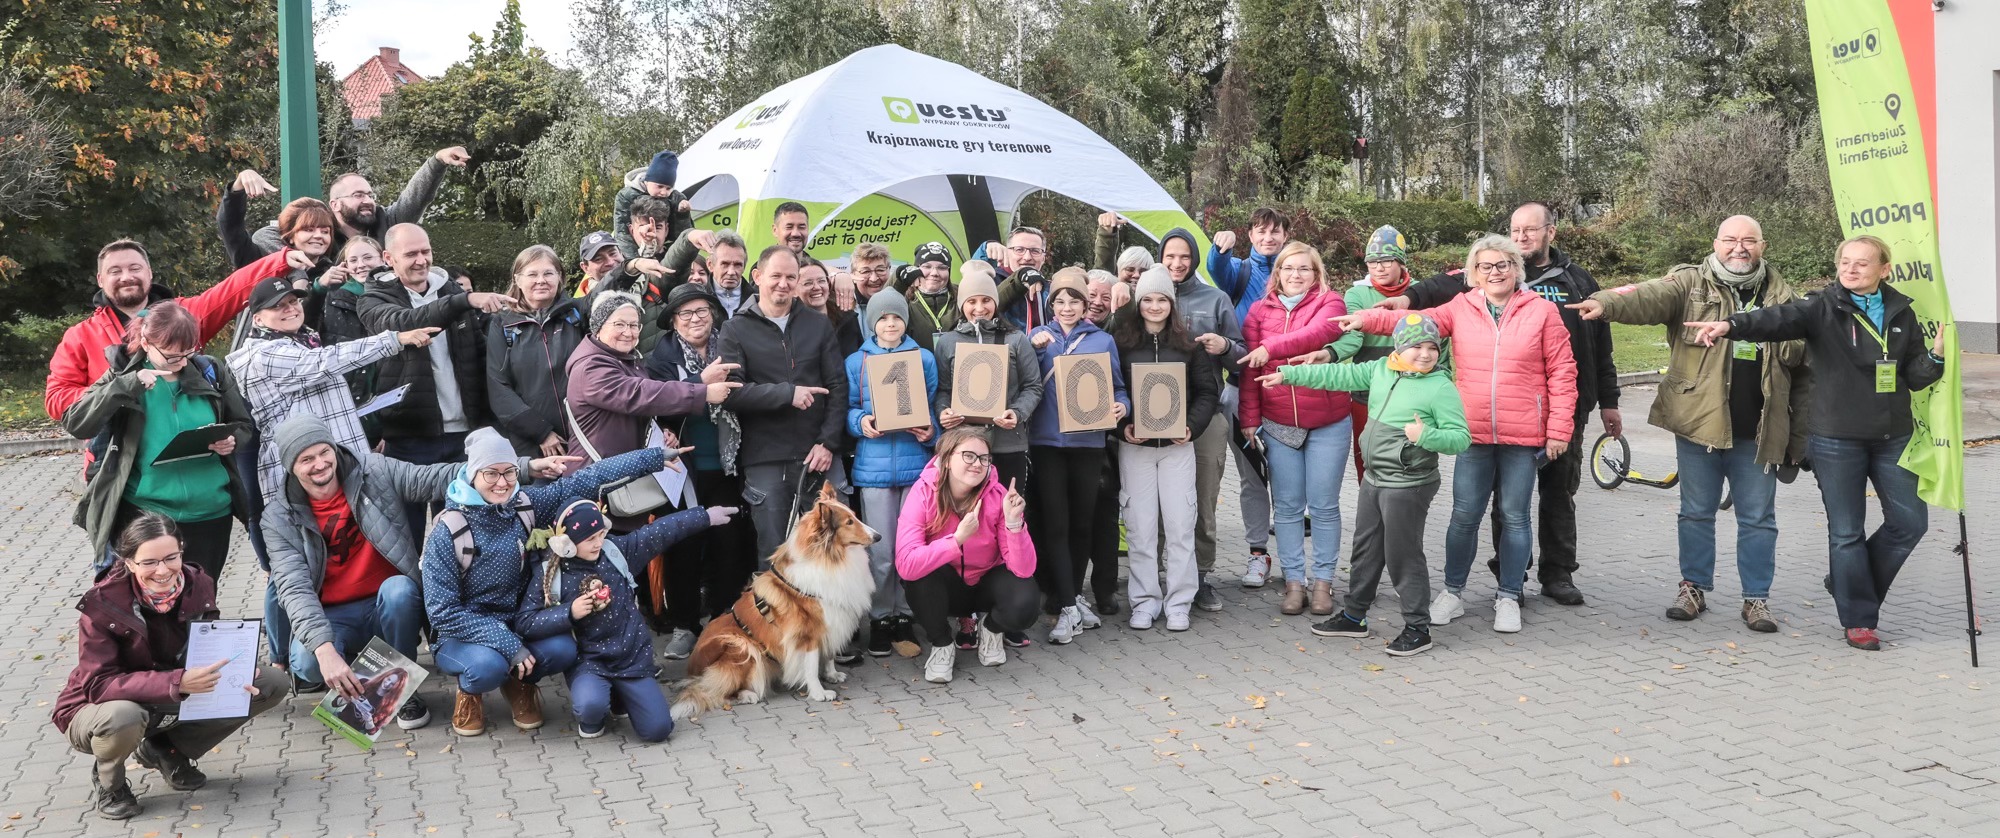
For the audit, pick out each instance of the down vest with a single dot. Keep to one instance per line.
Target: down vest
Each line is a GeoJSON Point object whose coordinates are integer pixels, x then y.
{"type": "Point", "coordinates": [1517, 377]}
{"type": "Point", "coordinates": [1284, 334]}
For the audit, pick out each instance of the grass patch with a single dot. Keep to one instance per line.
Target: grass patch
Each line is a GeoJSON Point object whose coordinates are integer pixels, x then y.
{"type": "Point", "coordinates": [1638, 348]}
{"type": "Point", "coordinates": [21, 401]}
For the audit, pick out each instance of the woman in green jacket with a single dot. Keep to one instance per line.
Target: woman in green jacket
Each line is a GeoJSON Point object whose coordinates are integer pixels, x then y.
{"type": "Point", "coordinates": [1417, 416]}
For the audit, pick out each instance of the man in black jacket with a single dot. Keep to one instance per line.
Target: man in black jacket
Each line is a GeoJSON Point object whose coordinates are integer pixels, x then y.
{"type": "Point", "coordinates": [1560, 281]}
{"type": "Point", "coordinates": [447, 379]}
{"type": "Point", "coordinates": [791, 404]}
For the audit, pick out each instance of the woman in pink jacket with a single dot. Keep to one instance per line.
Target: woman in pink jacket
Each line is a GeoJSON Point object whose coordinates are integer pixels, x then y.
{"type": "Point", "coordinates": [1518, 380]}
{"type": "Point", "coordinates": [1305, 433]}
{"type": "Point", "coordinates": [962, 547]}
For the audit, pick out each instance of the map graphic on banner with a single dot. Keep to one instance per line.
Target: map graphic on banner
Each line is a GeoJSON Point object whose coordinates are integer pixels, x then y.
{"type": "Point", "coordinates": [1878, 159]}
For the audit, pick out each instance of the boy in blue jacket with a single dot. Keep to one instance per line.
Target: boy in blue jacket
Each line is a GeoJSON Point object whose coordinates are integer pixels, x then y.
{"type": "Point", "coordinates": [886, 464]}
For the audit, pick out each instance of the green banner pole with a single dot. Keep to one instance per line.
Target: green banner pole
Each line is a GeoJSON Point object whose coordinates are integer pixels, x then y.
{"type": "Point", "coordinates": [298, 105]}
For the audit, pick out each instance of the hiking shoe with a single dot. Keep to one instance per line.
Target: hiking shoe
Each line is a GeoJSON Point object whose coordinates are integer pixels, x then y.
{"type": "Point", "coordinates": [1067, 625]}
{"type": "Point", "coordinates": [414, 714]}
{"type": "Point", "coordinates": [1107, 605]}
{"type": "Point", "coordinates": [1447, 607]}
{"type": "Point", "coordinates": [1322, 597]}
{"type": "Point", "coordinates": [1757, 615]}
{"type": "Point", "coordinates": [1295, 599]}
{"type": "Point", "coordinates": [1017, 639]}
{"type": "Point", "coordinates": [1410, 642]}
{"type": "Point", "coordinates": [965, 640]}
{"type": "Point", "coordinates": [879, 632]}
{"type": "Point", "coordinates": [993, 647]}
{"type": "Point", "coordinates": [1689, 602]}
{"type": "Point", "coordinates": [1341, 625]}
{"type": "Point", "coordinates": [1258, 571]}
{"type": "Point", "coordinates": [1506, 615]}
{"type": "Point", "coordinates": [468, 714]}
{"type": "Point", "coordinates": [1206, 599]}
{"type": "Point", "coordinates": [1864, 639]}
{"type": "Point", "coordinates": [115, 803]}
{"type": "Point", "coordinates": [1177, 621]}
{"type": "Point", "coordinates": [903, 637]}
{"type": "Point", "coordinates": [680, 644]}
{"type": "Point", "coordinates": [1086, 616]}
{"type": "Point", "coordinates": [301, 686]}
{"type": "Point", "coordinates": [524, 701]}
{"type": "Point", "coordinates": [585, 731]}
{"type": "Point", "coordinates": [162, 756]}
{"type": "Point", "coordinates": [1141, 620]}
{"type": "Point", "coordinates": [1562, 591]}
{"type": "Point", "coordinates": [937, 669]}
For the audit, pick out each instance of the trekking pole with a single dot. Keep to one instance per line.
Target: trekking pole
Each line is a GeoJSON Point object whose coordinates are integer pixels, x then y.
{"type": "Point", "coordinates": [1964, 551]}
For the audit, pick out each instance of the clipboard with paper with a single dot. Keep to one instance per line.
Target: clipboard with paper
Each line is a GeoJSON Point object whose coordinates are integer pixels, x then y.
{"type": "Point", "coordinates": [234, 643]}
{"type": "Point", "coordinates": [194, 442]}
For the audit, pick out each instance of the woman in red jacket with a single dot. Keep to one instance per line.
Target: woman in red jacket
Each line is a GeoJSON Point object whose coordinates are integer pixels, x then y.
{"type": "Point", "coordinates": [1518, 380]}
{"type": "Point", "coordinates": [1305, 433]}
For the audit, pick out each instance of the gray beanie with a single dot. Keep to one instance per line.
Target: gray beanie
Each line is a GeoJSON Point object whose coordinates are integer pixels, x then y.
{"type": "Point", "coordinates": [1155, 280]}
{"type": "Point", "coordinates": [880, 304]}
{"type": "Point", "coordinates": [609, 303]}
{"type": "Point", "coordinates": [486, 448]}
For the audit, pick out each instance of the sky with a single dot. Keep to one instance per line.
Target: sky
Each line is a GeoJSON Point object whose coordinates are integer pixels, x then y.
{"type": "Point", "coordinates": [431, 33]}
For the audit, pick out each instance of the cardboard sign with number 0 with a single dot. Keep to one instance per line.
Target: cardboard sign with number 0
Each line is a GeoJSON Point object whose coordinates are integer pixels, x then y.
{"type": "Point", "coordinates": [1159, 401]}
{"type": "Point", "coordinates": [1083, 392]}
{"type": "Point", "coordinates": [979, 381]}
{"type": "Point", "coordinates": [896, 384]}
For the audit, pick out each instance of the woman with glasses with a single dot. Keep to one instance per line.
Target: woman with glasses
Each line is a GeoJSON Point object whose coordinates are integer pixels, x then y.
{"type": "Point", "coordinates": [962, 549]}
{"type": "Point", "coordinates": [527, 351]}
{"type": "Point", "coordinates": [132, 670]}
{"type": "Point", "coordinates": [816, 291]}
{"type": "Point", "coordinates": [1518, 380]}
{"type": "Point", "coordinates": [1305, 433]}
{"type": "Point", "coordinates": [158, 387]}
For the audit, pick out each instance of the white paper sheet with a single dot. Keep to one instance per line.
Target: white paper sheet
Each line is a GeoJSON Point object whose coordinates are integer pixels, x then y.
{"type": "Point", "coordinates": [389, 399]}
{"type": "Point", "coordinates": [208, 642]}
{"type": "Point", "coordinates": [674, 478]}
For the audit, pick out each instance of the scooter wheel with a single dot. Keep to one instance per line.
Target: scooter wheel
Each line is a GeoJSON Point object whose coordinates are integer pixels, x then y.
{"type": "Point", "coordinates": [1610, 456]}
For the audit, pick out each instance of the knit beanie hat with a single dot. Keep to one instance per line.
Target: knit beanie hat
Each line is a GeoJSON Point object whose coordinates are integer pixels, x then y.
{"type": "Point", "coordinates": [1416, 328]}
{"type": "Point", "coordinates": [486, 448]}
{"type": "Point", "coordinates": [664, 167]}
{"type": "Point", "coordinates": [1386, 244]}
{"type": "Point", "coordinates": [1073, 278]}
{"type": "Point", "coordinates": [608, 304]}
{"type": "Point", "coordinates": [577, 523]}
{"type": "Point", "coordinates": [976, 280]}
{"type": "Point", "coordinates": [1155, 280]}
{"type": "Point", "coordinates": [932, 252]}
{"type": "Point", "coordinates": [881, 304]}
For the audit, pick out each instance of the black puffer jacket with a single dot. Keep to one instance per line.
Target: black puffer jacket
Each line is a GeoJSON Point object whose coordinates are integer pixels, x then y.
{"type": "Point", "coordinates": [386, 307]}
{"type": "Point", "coordinates": [525, 383]}
{"type": "Point", "coordinates": [1203, 385]}
{"type": "Point", "coordinates": [805, 353]}
{"type": "Point", "coordinates": [1842, 356]}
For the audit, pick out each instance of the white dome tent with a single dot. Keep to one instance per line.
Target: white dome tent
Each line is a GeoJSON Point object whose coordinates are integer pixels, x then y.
{"type": "Point", "coordinates": [898, 147]}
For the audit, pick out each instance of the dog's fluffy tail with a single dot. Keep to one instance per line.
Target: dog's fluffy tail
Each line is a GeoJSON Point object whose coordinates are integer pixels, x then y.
{"type": "Point", "coordinates": [718, 682]}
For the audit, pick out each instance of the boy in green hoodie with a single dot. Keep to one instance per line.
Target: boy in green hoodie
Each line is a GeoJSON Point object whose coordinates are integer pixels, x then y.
{"type": "Point", "coordinates": [1416, 415]}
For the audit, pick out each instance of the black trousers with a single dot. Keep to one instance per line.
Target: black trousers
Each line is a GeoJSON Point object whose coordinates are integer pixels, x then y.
{"type": "Point", "coordinates": [1066, 483]}
{"type": "Point", "coordinates": [1555, 531]}
{"type": "Point", "coordinates": [1103, 575]}
{"type": "Point", "coordinates": [1008, 601]}
{"type": "Point", "coordinates": [705, 574]}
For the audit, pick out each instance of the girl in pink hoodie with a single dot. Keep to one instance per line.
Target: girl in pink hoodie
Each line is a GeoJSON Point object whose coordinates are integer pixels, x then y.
{"type": "Point", "coordinates": [962, 547]}
{"type": "Point", "coordinates": [1518, 380]}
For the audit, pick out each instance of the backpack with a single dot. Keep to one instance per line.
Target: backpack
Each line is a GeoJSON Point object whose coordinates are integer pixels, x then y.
{"type": "Point", "coordinates": [466, 549]}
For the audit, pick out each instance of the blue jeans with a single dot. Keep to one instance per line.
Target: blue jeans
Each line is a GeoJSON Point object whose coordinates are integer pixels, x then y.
{"type": "Point", "coordinates": [1863, 569]}
{"type": "Point", "coordinates": [396, 612]}
{"type": "Point", "coordinates": [481, 669]}
{"type": "Point", "coordinates": [1480, 473]}
{"type": "Point", "coordinates": [590, 699]}
{"type": "Point", "coordinates": [1307, 480]}
{"type": "Point", "coordinates": [1756, 492]}
{"type": "Point", "coordinates": [277, 626]}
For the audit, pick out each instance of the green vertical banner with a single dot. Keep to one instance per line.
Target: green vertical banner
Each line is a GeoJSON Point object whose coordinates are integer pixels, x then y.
{"type": "Point", "coordinates": [1874, 118]}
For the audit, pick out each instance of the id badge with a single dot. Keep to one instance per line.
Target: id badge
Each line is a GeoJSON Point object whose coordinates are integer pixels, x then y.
{"type": "Point", "coordinates": [1744, 350]}
{"type": "Point", "coordinates": [1885, 376]}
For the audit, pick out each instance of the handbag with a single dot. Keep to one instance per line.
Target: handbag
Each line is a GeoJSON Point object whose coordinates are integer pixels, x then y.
{"type": "Point", "coordinates": [635, 498]}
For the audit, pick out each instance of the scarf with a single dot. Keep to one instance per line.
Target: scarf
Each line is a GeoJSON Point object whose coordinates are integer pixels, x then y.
{"type": "Point", "coordinates": [304, 337]}
{"type": "Point", "coordinates": [159, 603]}
{"type": "Point", "coordinates": [1729, 279]}
{"type": "Point", "coordinates": [1398, 365]}
{"type": "Point", "coordinates": [693, 360]}
{"type": "Point", "coordinates": [1396, 290]}
{"type": "Point", "coordinates": [1291, 301]}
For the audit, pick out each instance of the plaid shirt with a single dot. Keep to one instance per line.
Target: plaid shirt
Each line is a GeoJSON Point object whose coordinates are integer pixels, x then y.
{"type": "Point", "coordinates": [280, 374]}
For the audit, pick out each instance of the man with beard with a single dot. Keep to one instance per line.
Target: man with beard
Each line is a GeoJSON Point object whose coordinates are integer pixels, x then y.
{"type": "Point", "coordinates": [1558, 280]}
{"type": "Point", "coordinates": [790, 225]}
{"type": "Point", "coordinates": [355, 212]}
{"type": "Point", "coordinates": [124, 288]}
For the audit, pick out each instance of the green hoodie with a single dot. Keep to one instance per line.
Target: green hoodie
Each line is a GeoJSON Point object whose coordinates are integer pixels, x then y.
{"type": "Point", "coordinates": [1396, 399]}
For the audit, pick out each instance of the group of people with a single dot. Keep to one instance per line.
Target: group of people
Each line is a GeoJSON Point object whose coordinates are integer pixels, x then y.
{"type": "Point", "coordinates": [540, 481]}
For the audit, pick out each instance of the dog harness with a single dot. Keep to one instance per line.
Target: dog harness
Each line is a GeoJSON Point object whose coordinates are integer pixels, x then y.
{"type": "Point", "coordinates": [756, 621]}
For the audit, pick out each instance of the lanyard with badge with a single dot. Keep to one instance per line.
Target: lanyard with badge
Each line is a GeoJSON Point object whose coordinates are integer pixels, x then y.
{"type": "Point", "coordinates": [1745, 350]}
{"type": "Point", "coordinates": [1885, 369]}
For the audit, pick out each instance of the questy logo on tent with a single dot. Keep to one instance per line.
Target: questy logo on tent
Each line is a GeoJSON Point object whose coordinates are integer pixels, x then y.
{"type": "Point", "coordinates": [756, 115]}
{"type": "Point", "coordinates": [1865, 45]}
{"type": "Point", "coordinates": [932, 113]}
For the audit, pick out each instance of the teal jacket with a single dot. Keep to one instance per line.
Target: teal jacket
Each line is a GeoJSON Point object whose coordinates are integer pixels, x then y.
{"type": "Point", "coordinates": [1395, 399]}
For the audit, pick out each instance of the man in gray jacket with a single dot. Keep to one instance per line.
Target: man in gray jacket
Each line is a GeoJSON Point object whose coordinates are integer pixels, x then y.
{"type": "Point", "coordinates": [1211, 319]}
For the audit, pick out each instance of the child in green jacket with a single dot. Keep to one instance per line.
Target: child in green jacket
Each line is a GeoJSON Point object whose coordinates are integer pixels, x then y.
{"type": "Point", "coordinates": [1415, 416]}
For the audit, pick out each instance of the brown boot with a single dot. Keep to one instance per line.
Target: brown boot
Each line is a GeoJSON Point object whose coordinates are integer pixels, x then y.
{"type": "Point", "coordinates": [468, 715]}
{"type": "Point", "coordinates": [1295, 598]}
{"type": "Point", "coordinates": [526, 702]}
{"type": "Point", "coordinates": [1322, 597]}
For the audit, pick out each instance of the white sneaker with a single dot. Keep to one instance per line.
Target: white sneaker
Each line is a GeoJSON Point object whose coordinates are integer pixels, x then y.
{"type": "Point", "coordinates": [1142, 619]}
{"type": "Point", "coordinates": [1506, 615]}
{"type": "Point", "coordinates": [1087, 616]}
{"type": "Point", "coordinates": [1258, 571]}
{"type": "Point", "coordinates": [1177, 621]}
{"type": "Point", "coordinates": [992, 646]}
{"type": "Point", "coordinates": [1066, 626]}
{"type": "Point", "coordinates": [937, 670]}
{"type": "Point", "coordinates": [1445, 608]}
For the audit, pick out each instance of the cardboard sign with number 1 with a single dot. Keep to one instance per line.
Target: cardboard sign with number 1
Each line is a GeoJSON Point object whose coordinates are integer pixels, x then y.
{"type": "Point", "coordinates": [896, 384]}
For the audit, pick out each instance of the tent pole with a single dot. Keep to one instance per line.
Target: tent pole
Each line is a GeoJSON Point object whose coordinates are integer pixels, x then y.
{"type": "Point", "coordinates": [1964, 551]}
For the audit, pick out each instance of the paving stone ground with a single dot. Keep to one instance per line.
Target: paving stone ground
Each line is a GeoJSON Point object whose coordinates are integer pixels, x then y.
{"type": "Point", "coordinates": [1605, 719]}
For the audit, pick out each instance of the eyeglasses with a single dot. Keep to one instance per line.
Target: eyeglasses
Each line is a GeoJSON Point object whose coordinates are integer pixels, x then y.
{"type": "Point", "coordinates": [1731, 241]}
{"type": "Point", "coordinates": [971, 459]}
{"type": "Point", "coordinates": [1518, 231]}
{"type": "Point", "coordinates": [173, 357]}
{"type": "Point", "coordinates": [1493, 267]}
{"type": "Point", "coordinates": [1020, 250]}
{"type": "Point", "coordinates": [878, 270]}
{"type": "Point", "coordinates": [1297, 269]}
{"type": "Point", "coordinates": [358, 195]}
{"type": "Point", "coordinates": [499, 475]}
{"type": "Point", "coordinates": [145, 566]}
{"type": "Point", "coordinates": [624, 326]}
{"type": "Point", "coordinates": [692, 315]}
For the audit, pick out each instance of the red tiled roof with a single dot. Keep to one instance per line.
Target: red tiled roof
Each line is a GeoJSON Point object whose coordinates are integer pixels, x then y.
{"type": "Point", "coordinates": [375, 78]}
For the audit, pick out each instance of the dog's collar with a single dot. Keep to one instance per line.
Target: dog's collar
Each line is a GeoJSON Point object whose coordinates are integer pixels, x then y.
{"type": "Point", "coordinates": [780, 578]}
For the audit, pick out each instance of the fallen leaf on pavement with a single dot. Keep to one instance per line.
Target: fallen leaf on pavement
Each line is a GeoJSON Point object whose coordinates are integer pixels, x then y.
{"type": "Point", "coordinates": [1371, 667]}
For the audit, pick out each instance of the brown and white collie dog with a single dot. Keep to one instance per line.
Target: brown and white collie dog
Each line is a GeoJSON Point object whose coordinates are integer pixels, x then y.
{"type": "Point", "coordinates": [792, 621]}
